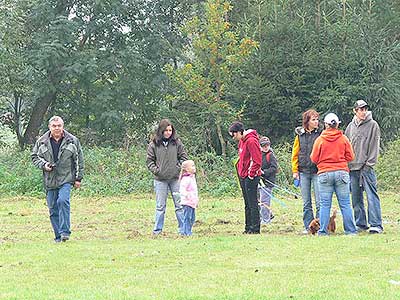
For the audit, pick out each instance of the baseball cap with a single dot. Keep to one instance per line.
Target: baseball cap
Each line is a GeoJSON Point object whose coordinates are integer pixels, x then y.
{"type": "Point", "coordinates": [264, 141]}
{"type": "Point", "coordinates": [360, 103]}
{"type": "Point", "coordinates": [331, 119]}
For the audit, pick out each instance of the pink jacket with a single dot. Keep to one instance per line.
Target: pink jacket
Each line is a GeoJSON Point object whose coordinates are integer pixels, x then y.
{"type": "Point", "coordinates": [188, 190]}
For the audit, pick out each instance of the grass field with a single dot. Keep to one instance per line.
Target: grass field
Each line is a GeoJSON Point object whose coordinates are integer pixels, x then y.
{"type": "Point", "coordinates": [112, 254]}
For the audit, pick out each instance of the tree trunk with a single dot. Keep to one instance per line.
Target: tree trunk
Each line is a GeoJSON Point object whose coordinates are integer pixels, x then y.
{"type": "Point", "coordinates": [318, 16]}
{"type": "Point", "coordinates": [218, 121]}
{"type": "Point", "coordinates": [36, 119]}
{"type": "Point", "coordinates": [345, 33]}
{"type": "Point", "coordinates": [220, 136]}
{"type": "Point", "coordinates": [17, 118]}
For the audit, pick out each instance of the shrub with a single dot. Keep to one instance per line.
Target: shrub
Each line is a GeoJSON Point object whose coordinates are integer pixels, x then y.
{"type": "Point", "coordinates": [117, 172]}
{"type": "Point", "coordinates": [388, 167]}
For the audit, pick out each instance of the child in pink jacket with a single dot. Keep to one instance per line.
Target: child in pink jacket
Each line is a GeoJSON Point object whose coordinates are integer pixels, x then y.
{"type": "Point", "coordinates": [189, 195]}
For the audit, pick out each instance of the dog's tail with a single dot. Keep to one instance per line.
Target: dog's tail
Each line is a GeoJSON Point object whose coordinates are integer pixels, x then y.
{"type": "Point", "coordinates": [334, 213]}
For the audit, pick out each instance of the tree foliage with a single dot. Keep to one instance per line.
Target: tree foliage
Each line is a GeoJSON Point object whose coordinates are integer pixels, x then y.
{"type": "Point", "coordinates": [215, 51]}
{"type": "Point", "coordinates": [322, 55]}
{"type": "Point", "coordinates": [100, 65]}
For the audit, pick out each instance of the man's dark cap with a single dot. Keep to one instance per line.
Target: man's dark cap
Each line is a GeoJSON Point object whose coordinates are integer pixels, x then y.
{"type": "Point", "coordinates": [360, 104]}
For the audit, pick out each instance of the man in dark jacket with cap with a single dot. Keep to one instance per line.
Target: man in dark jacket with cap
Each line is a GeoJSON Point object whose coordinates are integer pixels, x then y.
{"type": "Point", "coordinates": [249, 171]}
{"type": "Point", "coordinates": [364, 135]}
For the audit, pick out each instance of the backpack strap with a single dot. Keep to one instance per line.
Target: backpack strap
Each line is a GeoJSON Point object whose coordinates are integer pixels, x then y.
{"type": "Point", "coordinates": [268, 157]}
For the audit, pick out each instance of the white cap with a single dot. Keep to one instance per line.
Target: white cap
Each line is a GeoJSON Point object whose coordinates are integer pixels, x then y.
{"type": "Point", "coordinates": [331, 119]}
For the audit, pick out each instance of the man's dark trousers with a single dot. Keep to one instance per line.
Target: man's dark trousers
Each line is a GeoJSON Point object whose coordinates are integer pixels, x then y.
{"type": "Point", "coordinates": [251, 209]}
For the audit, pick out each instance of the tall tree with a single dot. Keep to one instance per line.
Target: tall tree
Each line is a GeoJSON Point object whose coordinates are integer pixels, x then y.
{"type": "Point", "coordinates": [215, 51]}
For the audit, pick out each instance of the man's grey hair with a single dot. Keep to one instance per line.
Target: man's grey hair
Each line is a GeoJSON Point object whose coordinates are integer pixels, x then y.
{"type": "Point", "coordinates": [56, 118]}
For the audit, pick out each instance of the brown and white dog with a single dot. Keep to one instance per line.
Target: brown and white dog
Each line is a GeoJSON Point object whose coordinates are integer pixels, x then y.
{"type": "Point", "coordinates": [315, 225]}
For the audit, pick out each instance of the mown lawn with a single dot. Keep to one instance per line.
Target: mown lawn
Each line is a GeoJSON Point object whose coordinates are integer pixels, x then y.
{"type": "Point", "coordinates": [112, 254]}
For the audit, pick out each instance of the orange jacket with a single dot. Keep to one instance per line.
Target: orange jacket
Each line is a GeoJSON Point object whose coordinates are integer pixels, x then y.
{"type": "Point", "coordinates": [332, 151]}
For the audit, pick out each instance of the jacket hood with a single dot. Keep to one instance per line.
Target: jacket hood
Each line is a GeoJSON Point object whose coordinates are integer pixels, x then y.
{"type": "Point", "coordinates": [331, 134]}
{"type": "Point", "coordinates": [368, 118]}
{"type": "Point", "coordinates": [250, 133]}
{"type": "Point", "coordinates": [300, 130]}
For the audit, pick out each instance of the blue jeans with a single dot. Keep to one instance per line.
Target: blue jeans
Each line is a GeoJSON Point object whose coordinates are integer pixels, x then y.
{"type": "Point", "coordinates": [338, 182]}
{"type": "Point", "coordinates": [265, 199]}
{"type": "Point", "coordinates": [369, 184]}
{"type": "Point", "coordinates": [306, 180]}
{"type": "Point", "coordinates": [161, 188]}
{"type": "Point", "coordinates": [189, 217]}
{"type": "Point", "coordinates": [58, 202]}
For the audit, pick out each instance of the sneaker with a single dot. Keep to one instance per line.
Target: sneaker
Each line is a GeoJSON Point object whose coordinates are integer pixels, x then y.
{"type": "Point", "coordinates": [57, 240]}
{"type": "Point", "coordinates": [64, 238]}
{"type": "Point", "coordinates": [374, 229]}
{"type": "Point", "coordinates": [305, 231]}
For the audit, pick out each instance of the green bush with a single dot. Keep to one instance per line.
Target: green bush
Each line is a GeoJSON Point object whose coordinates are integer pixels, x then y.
{"type": "Point", "coordinates": [388, 167]}
{"type": "Point", "coordinates": [18, 175]}
{"type": "Point", "coordinates": [110, 172]}
{"type": "Point", "coordinates": [107, 172]}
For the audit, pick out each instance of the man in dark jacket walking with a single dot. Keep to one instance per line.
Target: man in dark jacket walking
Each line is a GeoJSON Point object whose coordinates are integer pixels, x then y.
{"type": "Point", "coordinates": [364, 134]}
{"type": "Point", "coordinates": [59, 154]}
{"type": "Point", "coordinates": [249, 171]}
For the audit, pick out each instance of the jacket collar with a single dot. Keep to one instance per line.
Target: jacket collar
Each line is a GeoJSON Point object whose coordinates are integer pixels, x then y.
{"type": "Point", "coordinates": [45, 138]}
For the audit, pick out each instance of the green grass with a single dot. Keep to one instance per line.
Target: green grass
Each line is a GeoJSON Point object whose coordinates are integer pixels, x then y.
{"type": "Point", "coordinates": [112, 254]}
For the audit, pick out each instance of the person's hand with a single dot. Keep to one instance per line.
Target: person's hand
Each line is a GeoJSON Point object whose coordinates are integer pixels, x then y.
{"type": "Point", "coordinates": [77, 184]}
{"type": "Point", "coordinates": [296, 175]}
{"type": "Point", "coordinates": [366, 168]}
{"type": "Point", "coordinates": [48, 167]}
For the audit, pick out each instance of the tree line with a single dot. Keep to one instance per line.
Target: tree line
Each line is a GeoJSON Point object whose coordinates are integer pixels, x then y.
{"type": "Point", "coordinates": [113, 68]}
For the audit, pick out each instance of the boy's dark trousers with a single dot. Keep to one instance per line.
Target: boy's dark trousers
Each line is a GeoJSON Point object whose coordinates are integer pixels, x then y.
{"type": "Point", "coordinates": [251, 210]}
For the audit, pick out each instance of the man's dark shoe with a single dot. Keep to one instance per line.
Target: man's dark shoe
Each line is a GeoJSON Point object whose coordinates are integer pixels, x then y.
{"type": "Point", "coordinates": [361, 229]}
{"type": "Point", "coordinates": [246, 232]}
{"type": "Point", "coordinates": [64, 238]}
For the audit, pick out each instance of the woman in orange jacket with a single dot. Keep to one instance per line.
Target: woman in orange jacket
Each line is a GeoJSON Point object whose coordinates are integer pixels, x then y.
{"type": "Point", "coordinates": [331, 153]}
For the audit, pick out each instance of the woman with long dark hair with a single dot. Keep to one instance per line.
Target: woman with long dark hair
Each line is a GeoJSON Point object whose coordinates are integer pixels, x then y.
{"type": "Point", "coordinates": [165, 154]}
